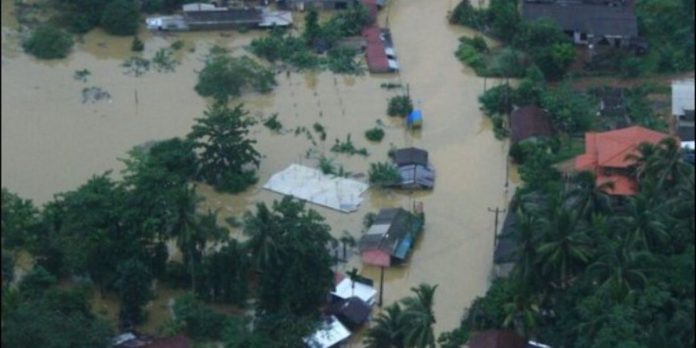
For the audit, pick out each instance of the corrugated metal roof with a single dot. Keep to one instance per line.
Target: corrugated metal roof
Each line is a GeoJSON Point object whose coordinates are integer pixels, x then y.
{"type": "Point", "coordinates": [682, 96]}
{"type": "Point", "coordinates": [601, 20]}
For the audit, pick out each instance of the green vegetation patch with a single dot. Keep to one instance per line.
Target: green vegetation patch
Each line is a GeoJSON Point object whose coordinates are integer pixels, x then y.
{"type": "Point", "coordinates": [48, 42]}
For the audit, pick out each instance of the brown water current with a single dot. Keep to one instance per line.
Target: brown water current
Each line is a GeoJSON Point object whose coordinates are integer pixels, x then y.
{"type": "Point", "coordinates": [52, 142]}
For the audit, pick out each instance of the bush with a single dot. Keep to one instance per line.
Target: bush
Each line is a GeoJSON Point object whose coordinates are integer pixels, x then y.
{"type": "Point", "coordinates": [47, 42]}
{"type": "Point", "coordinates": [374, 134]}
{"type": "Point", "coordinates": [236, 182]}
{"type": "Point", "coordinates": [400, 106]}
{"type": "Point", "coordinates": [273, 124]}
{"type": "Point", "coordinates": [384, 174]}
{"type": "Point", "coordinates": [347, 147]}
{"type": "Point", "coordinates": [199, 321]}
{"type": "Point", "coordinates": [225, 77]}
{"type": "Point", "coordinates": [120, 17]}
{"type": "Point", "coordinates": [494, 101]}
{"type": "Point", "coordinates": [137, 45]}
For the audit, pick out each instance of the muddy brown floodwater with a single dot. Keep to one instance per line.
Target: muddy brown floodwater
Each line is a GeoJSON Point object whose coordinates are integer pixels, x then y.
{"type": "Point", "coordinates": [52, 142]}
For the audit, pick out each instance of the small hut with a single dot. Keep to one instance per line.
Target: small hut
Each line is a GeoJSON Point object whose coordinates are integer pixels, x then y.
{"type": "Point", "coordinates": [391, 237]}
{"type": "Point", "coordinates": [415, 170]}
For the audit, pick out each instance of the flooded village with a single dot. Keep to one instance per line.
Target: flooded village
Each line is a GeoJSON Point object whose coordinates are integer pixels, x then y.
{"type": "Point", "coordinates": [56, 135]}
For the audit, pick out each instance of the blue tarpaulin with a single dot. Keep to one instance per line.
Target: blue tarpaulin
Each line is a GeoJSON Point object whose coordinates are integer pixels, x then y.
{"type": "Point", "coordinates": [415, 119]}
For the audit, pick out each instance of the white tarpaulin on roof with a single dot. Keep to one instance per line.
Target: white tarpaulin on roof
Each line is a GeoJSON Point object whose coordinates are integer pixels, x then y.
{"type": "Point", "coordinates": [314, 186]}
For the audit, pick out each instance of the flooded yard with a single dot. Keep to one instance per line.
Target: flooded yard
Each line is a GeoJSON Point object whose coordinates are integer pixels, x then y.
{"type": "Point", "coordinates": [52, 142]}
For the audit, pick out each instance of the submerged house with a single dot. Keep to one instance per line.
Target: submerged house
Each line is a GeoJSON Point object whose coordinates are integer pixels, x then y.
{"type": "Point", "coordinates": [202, 16]}
{"type": "Point", "coordinates": [529, 122]}
{"type": "Point", "coordinates": [505, 253]}
{"type": "Point", "coordinates": [331, 333]}
{"type": "Point", "coordinates": [588, 22]}
{"type": "Point", "coordinates": [606, 155]}
{"type": "Point", "coordinates": [391, 237]}
{"type": "Point", "coordinates": [414, 168]}
{"type": "Point", "coordinates": [302, 5]}
{"type": "Point", "coordinates": [351, 312]}
{"type": "Point", "coordinates": [361, 288]}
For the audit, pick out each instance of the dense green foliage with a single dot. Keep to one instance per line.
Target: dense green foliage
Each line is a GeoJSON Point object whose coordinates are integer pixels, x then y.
{"type": "Point", "coordinates": [410, 325]}
{"type": "Point", "coordinates": [669, 27]}
{"type": "Point", "coordinates": [570, 111]}
{"type": "Point", "coordinates": [299, 52]}
{"type": "Point", "coordinates": [47, 42]}
{"type": "Point", "coordinates": [224, 77]}
{"type": "Point", "coordinates": [285, 241]}
{"type": "Point", "coordinates": [539, 43]}
{"type": "Point", "coordinates": [384, 174]}
{"type": "Point", "coordinates": [374, 134]}
{"type": "Point", "coordinates": [39, 314]}
{"type": "Point", "coordinates": [225, 150]}
{"type": "Point", "coordinates": [120, 17]}
{"type": "Point", "coordinates": [594, 270]}
{"type": "Point", "coordinates": [400, 105]}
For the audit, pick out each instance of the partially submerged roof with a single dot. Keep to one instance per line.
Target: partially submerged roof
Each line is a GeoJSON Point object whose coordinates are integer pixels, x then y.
{"type": "Point", "coordinates": [682, 96]}
{"type": "Point", "coordinates": [375, 54]}
{"type": "Point", "coordinates": [497, 339]}
{"type": "Point", "coordinates": [529, 121]}
{"type": "Point", "coordinates": [316, 187]}
{"type": "Point", "coordinates": [391, 235]}
{"type": "Point", "coordinates": [411, 155]}
{"type": "Point", "coordinates": [330, 333]}
{"type": "Point", "coordinates": [417, 176]}
{"type": "Point", "coordinates": [240, 16]}
{"type": "Point", "coordinates": [600, 20]}
{"type": "Point", "coordinates": [352, 312]}
{"type": "Point", "coordinates": [348, 288]}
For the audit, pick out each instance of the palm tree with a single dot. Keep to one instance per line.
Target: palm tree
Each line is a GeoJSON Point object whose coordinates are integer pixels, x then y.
{"type": "Point", "coordinates": [662, 162]}
{"type": "Point", "coordinates": [184, 227]}
{"type": "Point", "coordinates": [643, 221]}
{"type": "Point", "coordinates": [588, 197]}
{"type": "Point", "coordinates": [619, 269]}
{"type": "Point", "coordinates": [388, 329]}
{"type": "Point", "coordinates": [353, 275]}
{"type": "Point", "coordinates": [522, 314]}
{"type": "Point", "coordinates": [264, 235]}
{"type": "Point", "coordinates": [419, 317]}
{"type": "Point", "coordinates": [527, 236]}
{"type": "Point", "coordinates": [565, 247]}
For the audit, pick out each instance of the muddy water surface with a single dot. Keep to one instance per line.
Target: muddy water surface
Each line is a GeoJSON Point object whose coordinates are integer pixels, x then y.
{"type": "Point", "coordinates": [52, 142]}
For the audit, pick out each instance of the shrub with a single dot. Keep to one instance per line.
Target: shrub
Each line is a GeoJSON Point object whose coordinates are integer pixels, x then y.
{"type": "Point", "coordinates": [120, 17]}
{"type": "Point", "coordinates": [137, 45]}
{"type": "Point", "coordinates": [224, 77]}
{"type": "Point", "coordinates": [494, 101]}
{"type": "Point", "coordinates": [199, 321]}
{"type": "Point", "coordinates": [273, 124]}
{"type": "Point", "coordinates": [374, 134]}
{"type": "Point", "coordinates": [347, 147]}
{"type": "Point", "coordinates": [384, 174]}
{"type": "Point", "coordinates": [47, 42]}
{"type": "Point", "coordinates": [400, 106]}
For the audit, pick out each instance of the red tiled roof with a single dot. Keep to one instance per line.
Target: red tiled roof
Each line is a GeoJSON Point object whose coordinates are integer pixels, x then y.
{"type": "Point", "coordinates": [623, 186]}
{"type": "Point", "coordinates": [610, 150]}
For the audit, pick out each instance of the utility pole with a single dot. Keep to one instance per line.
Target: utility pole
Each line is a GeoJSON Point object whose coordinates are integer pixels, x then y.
{"type": "Point", "coordinates": [495, 228]}
{"type": "Point", "coordinates": [509, 125]}
{"type": "Point", "coordinates": [381, 285]}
